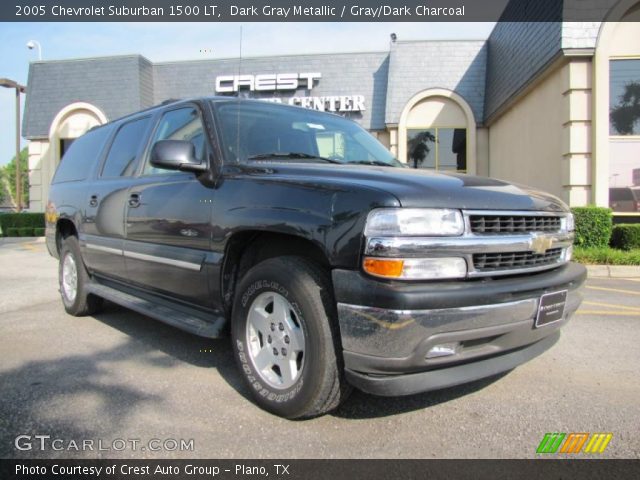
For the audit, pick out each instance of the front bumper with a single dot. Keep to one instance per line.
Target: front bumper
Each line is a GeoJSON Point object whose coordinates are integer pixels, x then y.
{"type": "Point", "coordinates": [388, 329]}
{"type": "Point", "coordinates": [396, 385]}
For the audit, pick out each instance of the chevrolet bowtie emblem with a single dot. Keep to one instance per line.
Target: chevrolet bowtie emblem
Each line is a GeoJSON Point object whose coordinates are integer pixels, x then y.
{"type": "Point", "coordinates": [540, 244]}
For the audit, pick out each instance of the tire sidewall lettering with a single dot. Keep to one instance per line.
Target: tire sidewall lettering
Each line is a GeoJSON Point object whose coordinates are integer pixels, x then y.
{"type": "Point", "coordinates": [267, 285]}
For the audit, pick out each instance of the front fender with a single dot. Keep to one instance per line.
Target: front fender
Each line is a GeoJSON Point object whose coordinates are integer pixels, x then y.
{"type": "Point", "coordinates": [331, 216]}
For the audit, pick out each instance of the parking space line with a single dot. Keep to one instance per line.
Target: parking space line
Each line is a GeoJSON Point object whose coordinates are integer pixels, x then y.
{"type": "Point", "coordinates": [611, 305]}
{"type": "Point", "coordinates": [630, 292]}
{"type": "Point", "coordinates": [608, 313]}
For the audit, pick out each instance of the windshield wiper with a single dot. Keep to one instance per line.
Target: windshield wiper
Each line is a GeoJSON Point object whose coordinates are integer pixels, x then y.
{"type": "Point", "coordinates": [373, 162]}
{"type": "Point", "coordinates": [292, 155]}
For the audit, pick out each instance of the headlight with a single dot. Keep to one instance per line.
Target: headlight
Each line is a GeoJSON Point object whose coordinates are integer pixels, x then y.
{"type": "Point", "coordinates": [571, 223]}
{"type": "Point", "coordinates": [439, 222]}
{"type": "Point", "coordinates": [416, 268]}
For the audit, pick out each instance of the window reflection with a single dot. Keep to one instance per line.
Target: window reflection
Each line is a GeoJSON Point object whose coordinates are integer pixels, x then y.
{"type": "Point", "coordinates": [624, 97]}
{"type": "Point", "coordinates": [624, 128]}
{"type": "Point", "coordinates": [422, 148]}
{"type": "Point", "coordinates": [438, 148]}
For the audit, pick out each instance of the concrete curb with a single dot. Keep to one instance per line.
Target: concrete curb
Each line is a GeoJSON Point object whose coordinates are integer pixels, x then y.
{"type": "Point", "coordinates": [9, 240]}
{"type": "Point", "coordinates": [613, 271]}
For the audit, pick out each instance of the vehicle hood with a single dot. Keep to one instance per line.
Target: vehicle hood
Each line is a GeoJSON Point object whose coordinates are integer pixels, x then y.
{"type": "Point", "coordinates": [420, 188]}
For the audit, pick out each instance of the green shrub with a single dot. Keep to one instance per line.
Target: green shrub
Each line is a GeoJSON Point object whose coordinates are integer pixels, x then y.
{"type": "Point", "coordinates": [626, 236]}
{"type": "Point", "coordinates": [20, 220]}
{"type": "Point", "coordinates": [12, 232]}
{"type": "Point", "coordinates": [38, 232]}
{"type": "Point", "coordinates": [25, 232]}
{"type": "Point", "coordinates": [606, 256]}
{"type": "Point", "coordinates": [593, 226]}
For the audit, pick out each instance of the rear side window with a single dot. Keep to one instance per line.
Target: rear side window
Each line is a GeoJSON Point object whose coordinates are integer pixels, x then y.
{"type": "Point", "coordinates": [81, 156]}
{"type": "Point", "coordinates": [121, 159]}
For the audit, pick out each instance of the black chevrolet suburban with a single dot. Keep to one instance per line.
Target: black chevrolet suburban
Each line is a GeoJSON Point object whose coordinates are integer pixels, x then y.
{"type": "Point", "coordinates": [330, 263]}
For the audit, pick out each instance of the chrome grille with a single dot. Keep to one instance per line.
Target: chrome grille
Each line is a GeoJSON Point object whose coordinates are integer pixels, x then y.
{"type": "Point", "coordinates": [494, 243]}
{"type": "Point", "coordinates": [513, 224]}
{"type": "Point", "coordinates": [489, 262]}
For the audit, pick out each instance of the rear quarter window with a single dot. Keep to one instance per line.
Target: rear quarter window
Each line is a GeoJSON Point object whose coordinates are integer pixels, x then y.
{"type": "Point", "coordinates": [81, 156]}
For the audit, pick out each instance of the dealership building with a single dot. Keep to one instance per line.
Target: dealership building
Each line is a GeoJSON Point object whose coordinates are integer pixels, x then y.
{"type": "Point", "coordinates": [551, 105]}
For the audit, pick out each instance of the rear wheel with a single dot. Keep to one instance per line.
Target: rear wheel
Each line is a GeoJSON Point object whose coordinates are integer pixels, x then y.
{"type": "Point", "coordinates": [284, 339]}
{"type": "Point", "coordinates": [73, 279]}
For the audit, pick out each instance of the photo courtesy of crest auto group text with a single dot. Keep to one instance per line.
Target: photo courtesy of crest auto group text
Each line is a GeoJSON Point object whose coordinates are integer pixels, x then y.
{"type": "Point", "coordinates": [319, 240]}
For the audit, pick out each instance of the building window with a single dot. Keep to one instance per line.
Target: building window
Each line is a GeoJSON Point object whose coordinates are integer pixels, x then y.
{"type": "Point", "coordinates": [624, 97]}
{"type": "Point", "coordinates": [438, 148]}
{"type": "Point", "coordinates": [624, 129]}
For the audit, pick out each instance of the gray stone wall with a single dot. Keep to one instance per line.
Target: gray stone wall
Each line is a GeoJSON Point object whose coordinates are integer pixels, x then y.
{"type": "Point", "coordinates": [517, 53]}
{"type": "Point", "coordinates": [342, 74]}
{"type": "Point", "coordinates": [459, 66]}
{"type": "Point", "coordinates": [113, 84]}
{"type": "Point", "coordinates": [146, 82]}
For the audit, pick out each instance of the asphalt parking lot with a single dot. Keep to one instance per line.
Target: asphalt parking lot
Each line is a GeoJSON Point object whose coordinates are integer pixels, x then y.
{"type": "Point", "coordinates": [122, 376]}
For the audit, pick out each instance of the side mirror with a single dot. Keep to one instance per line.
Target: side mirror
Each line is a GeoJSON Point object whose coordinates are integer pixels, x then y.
{"type": "Point", "coordinates": [176, 155]}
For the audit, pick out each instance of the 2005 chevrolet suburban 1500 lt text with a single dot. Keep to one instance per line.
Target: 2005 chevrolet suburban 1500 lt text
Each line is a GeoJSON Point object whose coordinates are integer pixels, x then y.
{"type": "Point", "coordinates": [331, 264]}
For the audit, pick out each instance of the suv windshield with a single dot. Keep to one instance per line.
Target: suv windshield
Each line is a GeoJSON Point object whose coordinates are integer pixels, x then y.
{"type": "Point", "coordinates": [259, 131]}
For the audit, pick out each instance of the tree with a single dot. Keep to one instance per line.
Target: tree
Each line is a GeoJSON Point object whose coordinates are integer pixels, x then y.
{"type": "Point", "coordinates": [8, 175]}
{"type": "Point", "coordinates": [627, 113]}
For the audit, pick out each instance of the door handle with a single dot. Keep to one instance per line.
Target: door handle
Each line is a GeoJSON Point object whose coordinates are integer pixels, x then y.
{"type": "Point", "coordinates": [93, 201]}
{"type": "Point", "coordinates": [134, 200]}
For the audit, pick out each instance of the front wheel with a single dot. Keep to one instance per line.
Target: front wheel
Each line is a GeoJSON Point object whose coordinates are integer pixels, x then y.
{"type": "Point", "coordinates": [73, 279]}
{"type": "Point", "coordinates": [285, 340]}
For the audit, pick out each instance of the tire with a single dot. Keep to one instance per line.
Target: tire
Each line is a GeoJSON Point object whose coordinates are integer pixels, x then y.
{"type": "Point", "coordinates": [73, 279]}
{"type": "Point", "coordinates": [294, 370]}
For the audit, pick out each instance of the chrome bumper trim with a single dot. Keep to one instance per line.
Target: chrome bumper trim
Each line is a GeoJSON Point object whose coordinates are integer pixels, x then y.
{"type": "Point", "coordinates": [398, 340]}
{"type": "Point", "coordinates": [465, 245]}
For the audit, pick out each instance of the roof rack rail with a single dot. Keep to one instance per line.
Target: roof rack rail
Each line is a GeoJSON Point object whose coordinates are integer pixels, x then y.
{"type": "Point", "coordinates": [153, 107]}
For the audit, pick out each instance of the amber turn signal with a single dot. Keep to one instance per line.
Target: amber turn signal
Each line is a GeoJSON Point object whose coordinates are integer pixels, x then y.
{"type": "Point", "coordinates": [384, 267]}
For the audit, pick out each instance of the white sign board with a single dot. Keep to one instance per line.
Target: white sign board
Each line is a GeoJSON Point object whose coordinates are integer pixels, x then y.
{"type": "Point", "coordinates": [281, 82]}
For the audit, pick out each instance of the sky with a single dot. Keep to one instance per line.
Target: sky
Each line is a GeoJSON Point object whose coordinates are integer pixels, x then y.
{"type": "Point", "coordinates": [194, 41]}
